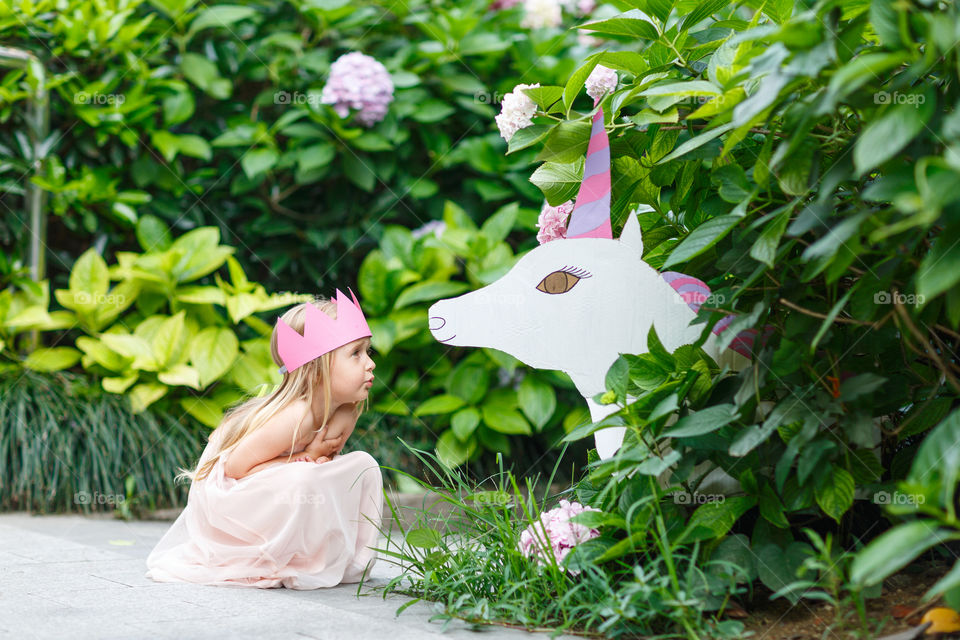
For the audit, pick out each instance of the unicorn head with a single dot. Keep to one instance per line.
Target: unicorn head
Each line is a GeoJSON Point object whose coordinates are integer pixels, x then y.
{"type": "Point", "coordinates": [576, 303]}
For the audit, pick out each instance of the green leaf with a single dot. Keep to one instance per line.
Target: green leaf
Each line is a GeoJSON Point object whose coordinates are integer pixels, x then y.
{"type": "Point", "coordinates": [180, 375]}
{"type": "Point", "coordinates": [883, 138]}
{"type": "Point", "coordinates": [433, 111]}
{"type": "Point", "coordinates": [714, 519]}
{"type": "Point", "coordinates": [498, 226]}
{"type": "Point", "coordinates": [704, 421]}
{"type": "Point", "coordinates": [439, 405]}
{"type": "Point", "coordinates": [451, 451]}
{"type": "Point", "coordinates": [632, 23]}
{"type": "Point", "coordinates": [940, 269]}
{"type": "Point", "coordinates": [143, 395]}
{"type": "Point", "coordinates": [89, 276]}
{"type": "Point", "coordinates": [545, 97]}
{"type": "Point", "coordinates": [538, 401]}
{"type": "Point", "coordinates": [834, 492]}
{"type": "Point", "coordinates": [577, 79]}
{"type": "Point", "coordinates": [502, 420]}
{"type": "Point", "coordinates": [429, 290]}
{"type": "Point", "coordinates": [765, 248]}
{"type": "Point", "coordinates": [566, 143]}
{"type": "Point", "coordinates": [153, 234]}
{"type": "Point", "coordinates": [701, 12]}
{"type": "Point", "coordinates": [424, 537]}
{"type": "Point", "coordinates": [52, 359]}
{"type": "Point", "coordinates": [204, 74]}
{"type": "Point", "coordinates": [938, 458]}
{"type": "Point", "coordinates": [257, 161]}
{"type": "Point", "coordinates": [528, 136]}
{"type": "Point", "coordinates": [465, 422]}
{"type": "Point", "coordinates": [315, 156]}
{"type": "Point", "coordinates": [212, 352]}
{"type": "Point", "coordinates": [771, 508]}
{"type": "Point", "coordinates": [895, 549]}
{"type": "Point", "coordinates": [169, 340]}
{"type": "Point", "coordinates": [702, 238]}
{"type": "Point", "coordinates": [203, 409]}
{"type": "Point", "coordinates": [558, 182]}
{"type": "Point", "coordinates": [358, 171]}
{"type": "Point", "coordinates": [219, 16]}
{"type": "Point", "coordinates": [696, 143]}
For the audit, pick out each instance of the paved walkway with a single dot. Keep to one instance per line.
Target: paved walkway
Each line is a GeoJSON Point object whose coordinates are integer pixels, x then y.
{"type": "Point", "coordinates": [73, 576]}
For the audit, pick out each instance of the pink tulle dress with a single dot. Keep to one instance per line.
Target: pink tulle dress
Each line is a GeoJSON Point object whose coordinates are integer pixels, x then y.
{"type": "Point", "coordinates": [299, 525]}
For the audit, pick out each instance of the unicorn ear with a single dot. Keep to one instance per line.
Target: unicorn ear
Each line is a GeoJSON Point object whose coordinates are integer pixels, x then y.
{"type": "Point", "coordinates": [631, 235]}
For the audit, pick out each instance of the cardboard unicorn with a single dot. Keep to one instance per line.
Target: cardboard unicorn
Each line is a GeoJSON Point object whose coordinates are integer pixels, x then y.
{"type": "Point", "coordinates": [576, 303]}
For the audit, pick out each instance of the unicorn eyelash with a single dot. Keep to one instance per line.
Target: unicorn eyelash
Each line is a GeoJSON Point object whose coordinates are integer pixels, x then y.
{"type": "Point", "coordinates": [577, 272]}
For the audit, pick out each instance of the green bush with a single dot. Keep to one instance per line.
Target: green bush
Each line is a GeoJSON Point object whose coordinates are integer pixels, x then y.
{"type": "Point", "coordinates": [66, 445]}
{"type": "Point", "coordinates": [209, 115]}
{"type": "Point", "coordinates": [801, 159]}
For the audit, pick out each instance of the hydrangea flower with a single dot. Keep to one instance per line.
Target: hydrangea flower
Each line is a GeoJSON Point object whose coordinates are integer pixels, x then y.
{"type": "Point", "coordinates": [359, 82]}
{"type": "Point", "coordinates": [498, 5]}
{"type": "Point", "coordinates": [436, 227]}
{"type": "Point", "coordinates": [517, 111]}
{"type": "Point", "coordinates": [579, 7]}
{"type": "Point", "coordinates": [552, 222]}
{"type": "Point", "coordinates": [541, 13]}
{"type": "Point", "coordinates": [555, 527]}
{"type": "Point", "coordinates": [600, 81]}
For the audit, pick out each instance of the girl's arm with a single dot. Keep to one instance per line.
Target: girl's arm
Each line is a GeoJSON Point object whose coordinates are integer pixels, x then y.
{"type": "Point", "coordinates": [331, 439]}
{"type": "Point", "coordinates": [263, 447]}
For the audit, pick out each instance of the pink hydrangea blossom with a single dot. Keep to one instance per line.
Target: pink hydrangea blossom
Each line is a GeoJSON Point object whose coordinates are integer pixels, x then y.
{"type": "Point", "coordinates": [517, 110]}
{"type": "Point", "coordinates": [552, 223]}
{"type": "Point", "coordinates": [498, 5]}
{"type": "Point", "coordinates": [600, 81]}
{"type": "Point", "coordinates": [359, 82]}
{"type": "Point", "coordinates": [555, 527]}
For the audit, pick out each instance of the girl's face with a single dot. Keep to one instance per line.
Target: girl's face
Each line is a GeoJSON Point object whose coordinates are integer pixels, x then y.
{"type": "Point", "coordinates": [351, 372]}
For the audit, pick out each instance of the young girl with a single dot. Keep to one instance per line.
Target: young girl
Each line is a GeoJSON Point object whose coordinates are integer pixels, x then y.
{"type": "Point", "coordinates": [272, 503]}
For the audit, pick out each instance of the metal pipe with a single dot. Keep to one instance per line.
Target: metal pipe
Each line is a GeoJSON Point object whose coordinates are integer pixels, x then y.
{"type": "Point", "coordinates": [38, 128]}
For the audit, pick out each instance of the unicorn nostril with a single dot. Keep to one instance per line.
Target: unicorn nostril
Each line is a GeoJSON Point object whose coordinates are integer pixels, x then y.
{"type": "Point", "coordinates": [434, 326]}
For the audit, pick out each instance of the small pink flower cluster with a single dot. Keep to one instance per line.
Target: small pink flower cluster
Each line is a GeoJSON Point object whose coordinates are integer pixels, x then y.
{"type": "Point", "coordinates": [359, 82]}
{"type": "Point", "coordinates": [517, 111]}
{"type": "Point", "coordinates": [553, 221]}
{"type": "Point", "coordinates": [555, 526]}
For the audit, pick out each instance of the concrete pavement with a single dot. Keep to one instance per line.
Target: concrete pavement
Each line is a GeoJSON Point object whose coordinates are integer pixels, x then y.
{"type": "Point", "coordinates": [74, 576]}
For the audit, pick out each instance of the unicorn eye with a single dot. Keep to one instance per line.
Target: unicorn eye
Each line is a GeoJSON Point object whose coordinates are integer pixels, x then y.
{"type": "Point", "coordinates": [558, 282]}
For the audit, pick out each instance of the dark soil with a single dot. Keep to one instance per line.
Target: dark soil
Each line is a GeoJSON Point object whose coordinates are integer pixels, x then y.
{"type": "Point", "coordinates": [811, 619]}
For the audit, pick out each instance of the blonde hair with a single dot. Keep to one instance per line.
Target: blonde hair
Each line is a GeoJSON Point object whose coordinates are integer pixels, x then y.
{"type": "Point", "coordinates": [253, 413]}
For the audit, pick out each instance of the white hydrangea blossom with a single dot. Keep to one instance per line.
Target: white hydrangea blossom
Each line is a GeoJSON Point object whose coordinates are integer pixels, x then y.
{"type": "Point", "coordinates": [600, 81]}
{"type": "Point", "coordinates": [541, 13]}
{"type": "Point", "coordinates": [517, 111]}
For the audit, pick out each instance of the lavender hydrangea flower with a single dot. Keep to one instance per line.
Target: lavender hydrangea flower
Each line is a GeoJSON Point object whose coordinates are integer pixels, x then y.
{"type": "Point", "coordinates": [517, 111]}
{"type": "Point", "coordinates": [359, 82]}
{"type": "Point", "coordinates": [600, 81]}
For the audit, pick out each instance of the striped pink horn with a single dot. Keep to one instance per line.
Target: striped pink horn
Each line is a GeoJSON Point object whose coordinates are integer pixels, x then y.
{"type": "Point", "coordinates": [591, 213]}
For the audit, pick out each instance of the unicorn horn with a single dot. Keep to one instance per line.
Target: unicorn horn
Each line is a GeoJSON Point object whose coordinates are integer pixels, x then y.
{"type": "Point", "coordinates": [591, 213]}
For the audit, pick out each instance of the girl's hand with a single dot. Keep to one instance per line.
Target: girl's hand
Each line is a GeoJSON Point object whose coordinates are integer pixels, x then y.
{"type": "Point", "coordinates": [306, 457]}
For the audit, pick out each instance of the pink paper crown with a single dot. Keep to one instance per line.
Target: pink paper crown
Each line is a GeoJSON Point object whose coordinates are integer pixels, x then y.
{"type": "Point", "coordinates": [321, 333]}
